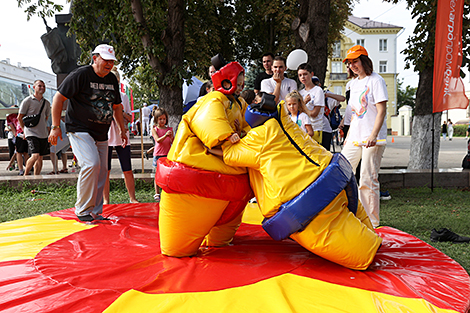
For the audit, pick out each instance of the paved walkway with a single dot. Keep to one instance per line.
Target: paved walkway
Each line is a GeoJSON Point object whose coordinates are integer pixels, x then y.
{"type": "Point", "coordinates": [396, 156]}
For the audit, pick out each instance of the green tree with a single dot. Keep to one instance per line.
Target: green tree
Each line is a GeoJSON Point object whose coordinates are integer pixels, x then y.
{"type": "Point", "coordinates": [177, 38]}
{"type": "Point", "coordinates": [405, 96]}
{"type": "Point", "coordinates": [143, 88]}
{"type": "Point", "coordinates": [313, 36]}
{"type": "Point", "coordinates": [420, 56]}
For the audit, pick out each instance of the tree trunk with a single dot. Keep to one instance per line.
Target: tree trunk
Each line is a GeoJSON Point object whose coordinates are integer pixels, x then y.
{"type": "Point", "coordinates": [312, 34]}
{"type": "Point", "coordinates": [171, 98]}
{"type": "Point", "coordinates": [421, 139]}
{"type": "Point", "coordinates": [421, 142]}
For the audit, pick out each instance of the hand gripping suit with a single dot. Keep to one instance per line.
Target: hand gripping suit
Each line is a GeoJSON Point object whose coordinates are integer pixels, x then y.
{"type": "Point", "coordinates": [291, 177]}
{"type": "Point", "coordinates": [203, 198]}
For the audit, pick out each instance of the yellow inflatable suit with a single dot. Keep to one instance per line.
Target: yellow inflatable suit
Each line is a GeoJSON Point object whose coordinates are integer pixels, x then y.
{"type": "Point", "coordinates": [283, 162]}
{"type": "Point", "coordinates": [202, 198]}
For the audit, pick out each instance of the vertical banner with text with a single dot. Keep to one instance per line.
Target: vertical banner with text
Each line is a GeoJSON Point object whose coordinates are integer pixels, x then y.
{"type": "Point", "coordinates": [448, 87]}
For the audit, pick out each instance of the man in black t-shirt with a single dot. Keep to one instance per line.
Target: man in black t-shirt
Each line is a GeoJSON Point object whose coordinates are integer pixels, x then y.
{"type": "Point", "coordinates": [94, 100]}
{"type": "Point", "coordinates": [268, 73]}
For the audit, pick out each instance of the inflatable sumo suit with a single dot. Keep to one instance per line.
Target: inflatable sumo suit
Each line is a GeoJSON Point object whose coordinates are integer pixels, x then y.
{"type": "Point", "coordinates": [304, 192]}
{"type": "Point", "coordinates": [203, 198]}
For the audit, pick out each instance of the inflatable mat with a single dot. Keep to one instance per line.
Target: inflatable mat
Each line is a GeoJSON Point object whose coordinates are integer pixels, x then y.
{"type": "Point", "coordinates": [52, 263]}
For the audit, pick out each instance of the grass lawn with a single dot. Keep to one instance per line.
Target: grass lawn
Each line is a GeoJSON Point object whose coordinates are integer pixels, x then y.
{"type": "Point", "coordinates": [418, 210]}
{"type": "Point", "coordinates": [415, 211]}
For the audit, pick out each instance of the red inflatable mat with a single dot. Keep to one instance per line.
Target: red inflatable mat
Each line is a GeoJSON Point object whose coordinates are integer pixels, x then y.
{"type": "Point", "coordinates": [89, 269]}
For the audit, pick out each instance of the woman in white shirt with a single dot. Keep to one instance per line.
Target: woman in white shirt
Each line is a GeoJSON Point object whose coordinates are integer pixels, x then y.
{"type": "Point", "coordinates": [368, 130]}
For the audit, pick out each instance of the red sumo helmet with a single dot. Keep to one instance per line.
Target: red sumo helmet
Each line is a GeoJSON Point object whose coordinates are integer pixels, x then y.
{"type": "Point", "coordinates": [225, 79]}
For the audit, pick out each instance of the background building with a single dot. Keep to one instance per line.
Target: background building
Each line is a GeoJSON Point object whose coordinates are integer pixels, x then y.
{"type": "Point", "coordinates": [380, 41]}
{"type": "Point", "coordinates": [16, 83]}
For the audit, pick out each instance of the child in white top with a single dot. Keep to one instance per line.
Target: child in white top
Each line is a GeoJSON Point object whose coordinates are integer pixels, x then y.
{"type": "Point", "coordinates": [314, 100]}
{"type": "Point", "coordinates": [296, 108]}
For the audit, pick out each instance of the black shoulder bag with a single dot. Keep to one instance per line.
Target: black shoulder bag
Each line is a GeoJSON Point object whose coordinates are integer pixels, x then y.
{"type": "Point", "coordinates": [33, 120]}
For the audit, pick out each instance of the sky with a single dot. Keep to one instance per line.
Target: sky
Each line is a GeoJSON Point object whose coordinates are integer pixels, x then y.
{"type": "Point", "coordinates": [20, 39]}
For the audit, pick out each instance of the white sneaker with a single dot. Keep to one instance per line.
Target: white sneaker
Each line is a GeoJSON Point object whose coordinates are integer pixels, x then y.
{"type": "Point", "coordinates": [156, 197]}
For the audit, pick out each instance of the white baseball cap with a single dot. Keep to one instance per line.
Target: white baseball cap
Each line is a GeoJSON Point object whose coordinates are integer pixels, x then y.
{"type": "Point", "coordinates": [106, 52]}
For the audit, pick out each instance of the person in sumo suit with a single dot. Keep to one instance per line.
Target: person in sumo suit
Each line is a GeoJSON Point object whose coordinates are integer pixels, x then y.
{"type": "Point", "coordinates": [304, 192]}
{"type": "Point", "coordinates": [203, 198]}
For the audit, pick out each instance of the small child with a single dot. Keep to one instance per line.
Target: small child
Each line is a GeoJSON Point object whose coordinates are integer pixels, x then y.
{"type": "Point", "coordinates": [296, 107]}
{"type": "Point", "coordinates": [163, 136]}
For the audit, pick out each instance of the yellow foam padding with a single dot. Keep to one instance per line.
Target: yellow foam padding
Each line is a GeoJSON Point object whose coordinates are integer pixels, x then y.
{"type": "Point", "coordinates": [338, 235]}
{"type": "Point", "coordinates": [252, 214]}
{"type": "Point", "coordinates": [207, 124]}
{"type": "Point", "coordinates": [23, 239]}
{"type": "Point", "coordinates": [278, 172]}
{"type": "Point", "coordinates": [186, 219]}
{"type": "Point", "coordinates": [284, 293]}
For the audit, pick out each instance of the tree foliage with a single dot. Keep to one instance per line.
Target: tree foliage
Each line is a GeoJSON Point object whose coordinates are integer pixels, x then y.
{"type": "Point", "coordinates": [41, 8]}
{"type": "Point", "coordinates": [405, 96]}
{"type": "Point", "coordinates": [164, 42]}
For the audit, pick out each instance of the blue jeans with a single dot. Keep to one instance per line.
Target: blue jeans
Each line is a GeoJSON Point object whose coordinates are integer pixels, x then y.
{"type": "Point", "coordinates": [92, 157]}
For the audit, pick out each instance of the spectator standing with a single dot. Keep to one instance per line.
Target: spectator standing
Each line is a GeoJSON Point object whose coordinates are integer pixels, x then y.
{"type": "Point", "coordinates": [278, 85]}
{"type": "Point", "coordinates": [314, 100]}
{"type": "Point", "coordinates": [267, 60]}
{"type": "Point", "coordinates": [146, 111]}
{"type": "Point", "coordinates": [163, 135]}
{"type": "Point", "coordinates": [59, 150]}
{"type": "Point", "coordinates": [444, 130]}
{"type": "Point", "coordinates": [212, 70]}
{"type": "Point", "coordinates": [346, 121]}
{"type": "Point", "coordinates": [296, 107]}
{"type": "Point", "coordinates": [36, 136]}
{"type": "Point", "coordinates": [331, 101]}
{"type": "Point", "coordinates": [94, 97]}
{"type": "Point", "coordinates": [368, 131]}
{"type": "Point", "coordinates": [10, 128]}
{"type": "Point", "coordinates": [21, 144]}
{"type": "Point", "coordinates": [450, 129]}
{"type": "Point", "coordinates": [123, 152]}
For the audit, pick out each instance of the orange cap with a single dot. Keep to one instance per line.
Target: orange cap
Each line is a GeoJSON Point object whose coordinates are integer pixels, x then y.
{"type": "Point", "coordinates": [355, 52]}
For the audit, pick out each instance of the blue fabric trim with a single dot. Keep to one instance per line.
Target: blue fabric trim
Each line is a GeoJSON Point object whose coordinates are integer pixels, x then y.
{"type": "Point", "coordinates": [296, 214]}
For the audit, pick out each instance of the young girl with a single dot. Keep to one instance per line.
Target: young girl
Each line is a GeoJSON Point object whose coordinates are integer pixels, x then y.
{"type": "Point", "coordinates": [367, 134]}
{"type": "Point", "coordinates": [296, 108]}
{"type": "Point", "coordinates": [163, 136]}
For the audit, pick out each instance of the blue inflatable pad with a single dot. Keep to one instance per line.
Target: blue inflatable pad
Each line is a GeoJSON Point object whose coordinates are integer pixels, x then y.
{"type": "Point", "coordinates": [296, 214]}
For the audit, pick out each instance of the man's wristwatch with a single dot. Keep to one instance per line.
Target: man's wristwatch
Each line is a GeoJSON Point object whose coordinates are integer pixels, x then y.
{"type": "Point", "coordinates": [54, 127]}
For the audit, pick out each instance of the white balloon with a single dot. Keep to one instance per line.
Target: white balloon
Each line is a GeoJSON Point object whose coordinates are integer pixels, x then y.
{"type": "Point", "coordinates": [296, 58]}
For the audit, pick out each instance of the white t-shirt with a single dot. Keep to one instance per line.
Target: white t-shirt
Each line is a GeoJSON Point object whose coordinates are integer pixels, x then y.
{"type": "Point", "coordinates": [347, 115]}
{"type": "Point", "coordinates": [146, 111]}
{"type": "Point", "coordinates": [317, 98]}
{"type": "Point", "coordinates": [287, 85]}
{"type": "Point", "coordinates": [365, 93]}
{"type": "Point", "coordinates": [301, 119]}
{"type": "Point", "coordinates": [332, 103]}
{"type": "Point", "coordinates": [114, 137]}
{"type": "Point", "coordinates": [348, 112]}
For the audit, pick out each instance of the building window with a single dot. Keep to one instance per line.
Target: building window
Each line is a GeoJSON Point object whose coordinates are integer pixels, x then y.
{"type": "Point", "coordinates": [338, 90]}
{"type": "Point", "coordinates": [383, 67]}
{"type": "Point", "coordinates": [336, 67]}
{"type": "Point", "coordinates": [360, 42]}
{"type": "Point", "coordinates": [383, 45]}
{"type": "Point", "coordinates": [337, 49]}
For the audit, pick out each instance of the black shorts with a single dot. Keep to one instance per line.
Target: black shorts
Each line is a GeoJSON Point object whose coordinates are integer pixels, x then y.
{"type": "Point", "coordinates": [124, 155]}
{"type": "Point", "coordinates": [21, 145]}
{"type": "Point", "coordinates": [38, 145]}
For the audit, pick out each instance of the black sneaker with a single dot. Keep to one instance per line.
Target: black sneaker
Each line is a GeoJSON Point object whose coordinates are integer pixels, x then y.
{"type": "Point", "coordinates": [444, 234]}
{"type": "Point", "coordinates": [98, 217]}
{"type": "Point", "coordinates": [86, 218]}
